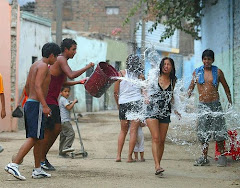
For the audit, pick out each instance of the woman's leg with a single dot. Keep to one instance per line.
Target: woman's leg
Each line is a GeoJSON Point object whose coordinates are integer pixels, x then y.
{"type": "Point", "coordinates": [163, 128]}
{"type": "Point", "coordinates": [133, 138]}
{"type": "Point", "coordinates": [121, 138]}
{"type": "Point", "coordinates": [153, 125]}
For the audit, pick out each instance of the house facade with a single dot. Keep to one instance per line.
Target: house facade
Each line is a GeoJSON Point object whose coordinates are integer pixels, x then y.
{"type": "Point", "coordinates": [9, 43]}
{"type": "Point", "coordinates": [220, 32]}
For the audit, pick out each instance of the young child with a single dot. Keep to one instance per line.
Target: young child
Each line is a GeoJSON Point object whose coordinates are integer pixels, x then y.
{"type": "Point", "coordinates": [2, 98]}
{"type": "Point", "coordinates": [34, 111]}
{"type": "Point", "coordinates": [207, 78]}
{"type": "Point", "coordinates": [67, 134]}
{"type": "Point", "coordinates": [139, 147]}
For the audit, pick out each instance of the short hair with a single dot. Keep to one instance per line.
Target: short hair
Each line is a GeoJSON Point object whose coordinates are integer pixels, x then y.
{"type": "Point", "coordinates": [50, 48]}
{"type": "Point", "coordinates": [67, 43]}
{"type": "Point", "coordinates": [65, 87]}
{"type": "Point", "coordinates": [208, 53]}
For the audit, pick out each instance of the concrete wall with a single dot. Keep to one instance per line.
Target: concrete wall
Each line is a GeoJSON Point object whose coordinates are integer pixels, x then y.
{"type": "Point", "coordinates": [116, 51]}
{"type": "Point", "coordinates": [236, 52]}
{"type": "Point", "coordinates": [88, 50]}
{"type": "Point", "coordinates": [216, 32]}
{"type": "Point", "coordinates": [35, 32]}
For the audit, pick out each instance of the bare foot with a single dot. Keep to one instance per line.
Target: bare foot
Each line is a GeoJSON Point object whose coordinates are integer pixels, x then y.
{"type": "Point", "coordinates": [118, 160]}
{"type": "Point", "coordinates": [131, 161]}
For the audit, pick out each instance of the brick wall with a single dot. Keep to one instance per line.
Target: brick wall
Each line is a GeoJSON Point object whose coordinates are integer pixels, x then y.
{"type": "Point", "coordinates": [88, 15]}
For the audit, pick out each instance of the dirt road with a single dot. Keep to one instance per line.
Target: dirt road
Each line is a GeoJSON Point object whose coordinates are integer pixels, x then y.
{"type": "Point", "coordinates": [99, 169]}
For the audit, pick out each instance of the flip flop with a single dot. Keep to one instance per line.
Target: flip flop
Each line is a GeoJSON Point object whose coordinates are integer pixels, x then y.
{"type": "Point", "coordinates": [118, 160]}
{"type": "Point", "coordinates": [159, 171]}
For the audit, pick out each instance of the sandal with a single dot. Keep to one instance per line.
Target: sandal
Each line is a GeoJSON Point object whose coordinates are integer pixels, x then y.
{"type": "Point", "coordinates": [159, 171]}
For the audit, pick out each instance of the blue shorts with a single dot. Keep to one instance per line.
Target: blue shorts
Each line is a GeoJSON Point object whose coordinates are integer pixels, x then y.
{"type": "Point", "coordinates": [33, 117]}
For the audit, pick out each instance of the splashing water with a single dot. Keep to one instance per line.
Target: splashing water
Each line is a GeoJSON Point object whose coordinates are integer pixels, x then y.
{"type": "Point", "coordinates": [184, 131]}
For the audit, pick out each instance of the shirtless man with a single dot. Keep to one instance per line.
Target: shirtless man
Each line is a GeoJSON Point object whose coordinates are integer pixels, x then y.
{"type": "Point", "coordinates": [34, 111]}
{"type": "Point", "coordinates": [210, 123]}
{"type": "Point", "coordinates": [60, 71]}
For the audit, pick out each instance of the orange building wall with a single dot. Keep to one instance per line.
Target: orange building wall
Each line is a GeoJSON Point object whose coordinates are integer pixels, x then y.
{"type": "Point", "coordinates": [6, 124]}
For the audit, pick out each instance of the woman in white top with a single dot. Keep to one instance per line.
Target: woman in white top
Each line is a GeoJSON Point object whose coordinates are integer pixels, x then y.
{"type": "Point", "coordinates": [129, 100]}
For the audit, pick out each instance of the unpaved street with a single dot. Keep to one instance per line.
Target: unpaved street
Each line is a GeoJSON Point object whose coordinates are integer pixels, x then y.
{"type": "Point", "coordinates": [99, 169]}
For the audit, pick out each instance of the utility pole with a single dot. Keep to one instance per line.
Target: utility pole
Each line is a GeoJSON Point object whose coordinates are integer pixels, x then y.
{"type": "Point", "coordinates": [143, 35]}
{"type": "Point", "coordinates": [59, 6]}
{"type": "Point", "coordinates": [132, 31]}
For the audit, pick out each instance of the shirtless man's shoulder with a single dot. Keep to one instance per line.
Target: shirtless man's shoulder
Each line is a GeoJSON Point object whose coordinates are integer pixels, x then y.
{"type": "Point", "coordinates": [56, 69]}
{"type": "Point", "coordinates": [39, 70]}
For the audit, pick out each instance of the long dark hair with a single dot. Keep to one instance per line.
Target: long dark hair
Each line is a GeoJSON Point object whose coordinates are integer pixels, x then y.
{"type": "Point", "coordinates": [173, 71]}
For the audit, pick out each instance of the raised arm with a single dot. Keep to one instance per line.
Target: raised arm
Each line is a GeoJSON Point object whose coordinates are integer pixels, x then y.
{"type": "Point", "coordinates": [71, 105]}
{"type": "Point", "coordinates": [192, 85]}
{"type": "Point", "coordinates": [68, 71]}
{"type": "Point", "coordinates": [223, 81]}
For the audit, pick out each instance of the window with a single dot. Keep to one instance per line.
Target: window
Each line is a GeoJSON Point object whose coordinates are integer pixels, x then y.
{"type": "Point", "coordinates": [117, 65]}
{"type": "Point", "coordinates": [34, 59]}
{"type": "Point", "coordinates": [112, 10]}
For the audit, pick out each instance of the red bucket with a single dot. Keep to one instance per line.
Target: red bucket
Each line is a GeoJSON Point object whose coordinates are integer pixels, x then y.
{"type": "Point", "coordinates": [101, 79]}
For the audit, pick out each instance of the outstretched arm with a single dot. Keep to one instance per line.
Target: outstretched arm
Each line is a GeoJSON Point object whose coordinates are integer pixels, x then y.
{"type": "Point", "coordinates": [71, 83]}
{"type": "Point", "coordinates": [192, 85]}
{"type": "Point", "coordinates": [223, 81]}
{"type": "Point", "coordinates": [73, 74]}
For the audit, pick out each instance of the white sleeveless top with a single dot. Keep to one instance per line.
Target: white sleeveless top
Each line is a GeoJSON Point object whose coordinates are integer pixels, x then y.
{"type": "Point", "coordinates": [128, 91]}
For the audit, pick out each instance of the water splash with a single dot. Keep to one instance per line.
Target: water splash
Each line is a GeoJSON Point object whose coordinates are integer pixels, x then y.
{"type": "Point", "coordinates": [184, 131]}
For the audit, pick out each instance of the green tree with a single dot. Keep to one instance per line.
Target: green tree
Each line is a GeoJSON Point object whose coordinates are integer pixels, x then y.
{"type": "Point", "coordinates": [29, 7]}
{"type": "Point", "coordinates": [184, 15]}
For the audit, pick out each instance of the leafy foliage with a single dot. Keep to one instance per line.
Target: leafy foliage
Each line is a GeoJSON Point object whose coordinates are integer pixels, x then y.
{"type": "Point", "coordinates": [184, 15]}
{"type": "Point", "coordinates": [29, 7]}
